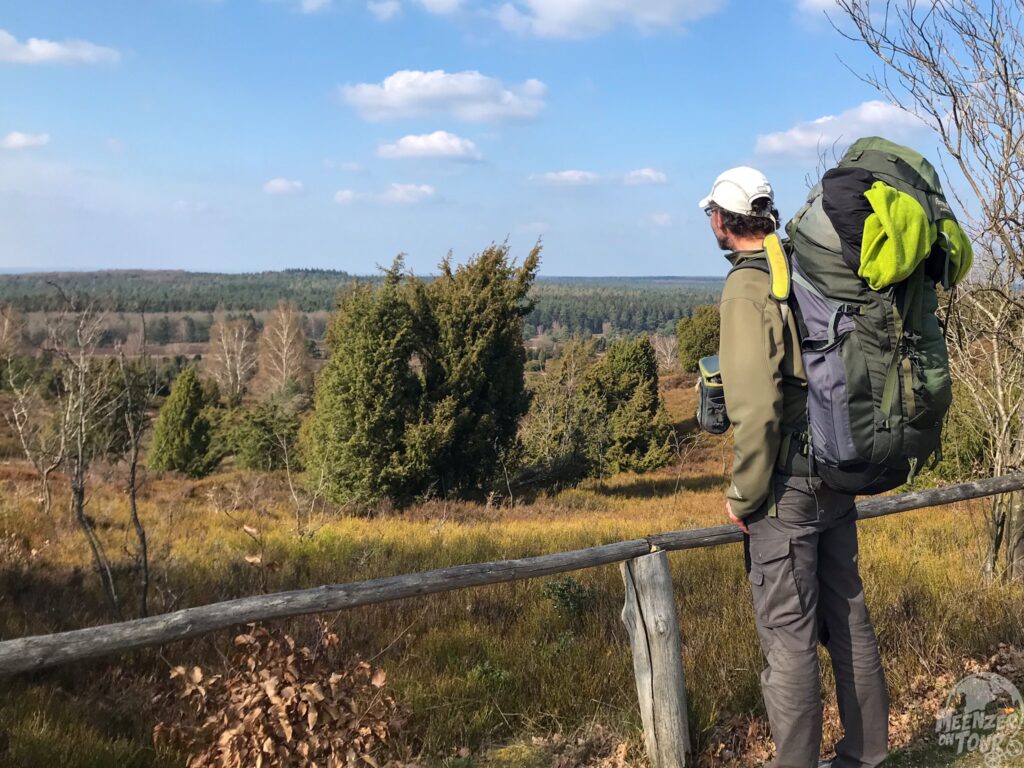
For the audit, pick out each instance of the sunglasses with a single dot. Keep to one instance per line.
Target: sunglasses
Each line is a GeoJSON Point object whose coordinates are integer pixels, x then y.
{"type": "Point", "coordinates": [710, 210]}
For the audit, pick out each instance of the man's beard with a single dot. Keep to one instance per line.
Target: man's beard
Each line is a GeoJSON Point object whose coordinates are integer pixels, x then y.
{"type": "Point", "coordinates": [723, 242]}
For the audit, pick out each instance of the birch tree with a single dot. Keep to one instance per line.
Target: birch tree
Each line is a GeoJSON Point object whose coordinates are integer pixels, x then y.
{"type": "Point", "coordinates": [283, 352]}
{"type": "Point", "coordinates": [232, 356]}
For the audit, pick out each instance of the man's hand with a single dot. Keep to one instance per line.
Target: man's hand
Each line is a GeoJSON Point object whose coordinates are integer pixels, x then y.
{"type": "Point", "coordinates": [737, 520]}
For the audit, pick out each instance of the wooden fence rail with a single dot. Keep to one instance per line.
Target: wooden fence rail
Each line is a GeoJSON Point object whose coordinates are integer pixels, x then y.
{"type": "Point", "coordinates": [42, 651]}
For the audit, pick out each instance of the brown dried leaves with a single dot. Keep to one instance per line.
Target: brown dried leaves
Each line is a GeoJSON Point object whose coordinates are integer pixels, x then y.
{"type": "Point", "coordinates": [279, 704]}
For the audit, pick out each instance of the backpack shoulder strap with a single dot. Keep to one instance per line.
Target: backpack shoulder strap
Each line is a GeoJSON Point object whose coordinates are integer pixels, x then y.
{"type": "Point", "coordinates": [775, 264]}
{"type": "Point", "coordinates": [778, 268]}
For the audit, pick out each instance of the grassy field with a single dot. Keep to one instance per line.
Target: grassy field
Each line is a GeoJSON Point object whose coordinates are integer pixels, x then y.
{"type": "Point", "coordinates": [526, 674]}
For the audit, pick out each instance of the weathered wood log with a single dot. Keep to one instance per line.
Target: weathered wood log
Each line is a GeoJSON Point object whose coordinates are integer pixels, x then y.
{"type": "Point", "coordinates": [879, 506]}
{"type": "Point", "coordinates": [649, 614]}
{"type": "Point", "coordinates": [42, 651]}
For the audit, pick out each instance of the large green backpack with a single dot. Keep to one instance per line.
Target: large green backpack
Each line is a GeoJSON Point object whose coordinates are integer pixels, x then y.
{"type": "Point", "coordinates": [866, 253]}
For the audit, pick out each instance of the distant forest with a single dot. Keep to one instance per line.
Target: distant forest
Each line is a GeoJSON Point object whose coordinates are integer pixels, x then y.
{"type": "Point", "coordinates": [565, 305]}
{"type": "Point", "coordinates": [157, 291]}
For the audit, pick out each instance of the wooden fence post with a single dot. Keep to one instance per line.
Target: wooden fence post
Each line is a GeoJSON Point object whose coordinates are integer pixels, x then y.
{"type": "Point", "coordinates": [650, 617]}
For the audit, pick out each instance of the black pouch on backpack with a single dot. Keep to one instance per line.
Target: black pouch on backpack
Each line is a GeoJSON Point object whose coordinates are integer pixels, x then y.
{"type": "Point", "coordinates": [711, 414]}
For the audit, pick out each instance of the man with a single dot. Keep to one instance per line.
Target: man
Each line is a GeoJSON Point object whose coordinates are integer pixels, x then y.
{"type": "Point", "coordinates": [801, 537]}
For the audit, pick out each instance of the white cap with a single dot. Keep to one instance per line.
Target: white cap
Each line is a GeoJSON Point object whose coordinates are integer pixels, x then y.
{"type": "Point", "coordinates": [737, 189]}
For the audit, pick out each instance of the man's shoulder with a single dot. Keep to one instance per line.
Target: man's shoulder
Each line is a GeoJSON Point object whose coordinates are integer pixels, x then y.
{"type": "Point", "coordinates": [748, 279]}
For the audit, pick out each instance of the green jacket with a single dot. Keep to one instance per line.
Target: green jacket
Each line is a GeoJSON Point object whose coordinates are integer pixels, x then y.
{"type": "Point", "coordinates": [765, 386]}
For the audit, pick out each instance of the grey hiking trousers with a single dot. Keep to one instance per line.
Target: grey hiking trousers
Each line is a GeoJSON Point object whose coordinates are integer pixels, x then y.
{"type": "Point", "coordinates": [802, 567]}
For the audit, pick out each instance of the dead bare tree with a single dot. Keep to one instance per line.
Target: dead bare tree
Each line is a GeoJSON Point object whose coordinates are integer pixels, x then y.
{"type": "Point", "coordinates": [138, 384]}
{"type": "Point", "coordinates": [232, 355]}
{"type": "Point", "coordinates": [283, 352]}
{"type": "Point", "coordinates": [304, 501]}
{"type": "Point", "coordinates": [828, 157]}
{"type": "Point", "coordinates": [91, 401]}
{"type": "Point", "coordinates": [71, 407]}
{"type": "Point", "coordinates": [39, 422]}
{"type": "Point", "coordinates": [959, 66]}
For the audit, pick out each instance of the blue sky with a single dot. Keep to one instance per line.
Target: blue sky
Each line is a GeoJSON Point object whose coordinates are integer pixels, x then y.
{"type": "Point", "coordinates": [244, 135]}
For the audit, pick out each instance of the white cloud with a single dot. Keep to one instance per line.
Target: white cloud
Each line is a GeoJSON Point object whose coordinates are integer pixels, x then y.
{"type": "Point", "coordinates": [816, 6]}
{"type": "Point", "coordinates": [439, 144]}
{"type": "Point", "coordinates": [384, 10]}
{"type": "Point", "coordinates": [397, 194]}
{"type": "Point", "coordinates": [645, 176]}
{"type": "Point", "coordinates": [661, 219]}
{"type": "Point", "coordinates": [38, 51]}
{"type": "Point", "coordinates": [441, 6]}
{"type": "Point", "coordinates": [468, 96]}
{"type": "Point", "coordinates": [585, 18]}
{"type": "Point", "coordinates": [408, 193]}
{"type": "Point", "coordinates": [314, 6]}
{"type": "Point", "coordinates": [282, 186]}
{"type": "Point", "coordinates": [839, 131]}
{"type": "Point", "coordinates": [576, 178]}
{"type": "Point", "coordinates": [19, 140]}
{"type": "Point", "coordinates": [570, 178]}
{"type": "Point", "coordinates": [51, 186]}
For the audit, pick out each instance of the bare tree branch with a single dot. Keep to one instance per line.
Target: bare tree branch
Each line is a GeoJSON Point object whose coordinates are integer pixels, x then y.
{"type": "Point", "coordinates": [959, 66]}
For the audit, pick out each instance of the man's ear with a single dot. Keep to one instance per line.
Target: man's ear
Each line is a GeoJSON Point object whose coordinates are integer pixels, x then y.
{"type": "Point", "coordinates": [717, 226]}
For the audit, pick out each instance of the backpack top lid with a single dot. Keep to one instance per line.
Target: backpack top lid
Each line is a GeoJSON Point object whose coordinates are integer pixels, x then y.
{"type": "Point", "coordinates": [710, 369]}
{"type": "Point", "coordinates": [862, 205]}
{"type": "Point", "coordinates": [867, 151]}
{"type": "Point", "coordinates": [909, 172]}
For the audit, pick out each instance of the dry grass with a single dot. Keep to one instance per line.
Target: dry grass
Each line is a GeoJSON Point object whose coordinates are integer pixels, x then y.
{"type": "Point", "coordinates": [483, 666]}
